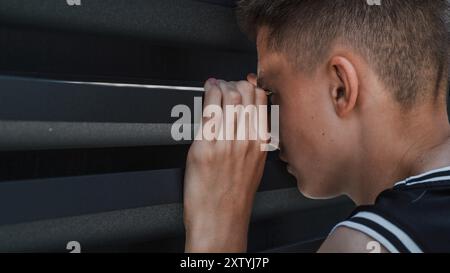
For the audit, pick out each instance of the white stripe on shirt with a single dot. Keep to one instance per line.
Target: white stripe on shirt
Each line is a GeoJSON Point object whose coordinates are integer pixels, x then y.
{"type": "Point", "coordinates": [423, 174]}
{"type": "Point", "coordinates": [397, 232]}
{"type": "Point", "coordinates": [369, 232]}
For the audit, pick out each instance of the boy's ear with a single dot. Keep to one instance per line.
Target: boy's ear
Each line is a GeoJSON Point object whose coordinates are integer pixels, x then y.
{"type": "Point", "coordinates": [345, 86]}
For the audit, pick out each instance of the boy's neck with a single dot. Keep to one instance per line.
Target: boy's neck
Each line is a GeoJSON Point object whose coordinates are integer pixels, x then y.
{"type": "Point", "coordinates": [424, 147]}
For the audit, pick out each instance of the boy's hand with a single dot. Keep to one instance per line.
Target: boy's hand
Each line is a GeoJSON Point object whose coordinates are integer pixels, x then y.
{"type": "Point", "coordinates": [222, 176]}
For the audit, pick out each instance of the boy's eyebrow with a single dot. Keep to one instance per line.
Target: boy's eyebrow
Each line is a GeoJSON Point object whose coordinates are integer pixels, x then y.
{"type": "Point", "coordinates": [264, 85]}
{"type": "Point", "coordinates": [261, 83]}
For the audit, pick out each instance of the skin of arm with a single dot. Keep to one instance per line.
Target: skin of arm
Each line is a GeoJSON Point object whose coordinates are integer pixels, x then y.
{"type": "Point", "coordinates": [222, 177]}
{"type": "Point", "coordinates": [346, 240]}
{"type": "Point", "coordinates": [221, 180]}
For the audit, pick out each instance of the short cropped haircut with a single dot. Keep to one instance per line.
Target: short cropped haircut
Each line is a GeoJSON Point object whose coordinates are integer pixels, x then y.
{"type": "Point", "coordinates": [404, 41]}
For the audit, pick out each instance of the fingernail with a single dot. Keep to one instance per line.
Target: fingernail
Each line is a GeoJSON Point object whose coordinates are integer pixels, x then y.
{"type": "Point", "coordinates": [212, 81]}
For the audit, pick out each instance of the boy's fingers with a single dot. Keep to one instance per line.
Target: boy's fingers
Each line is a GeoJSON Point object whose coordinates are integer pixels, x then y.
{"type": "Point", "coordinates": [247, 91]}
{"type": "Point", "coordinates": [253, 79]}
{"type": "Point", "coordinates": [261, 100]}
{"type": "Point", "coordinates": [213, 97]}
{"type": "Point", "coordinates": [231, 97]}
{"type": "Point", "coordinates": [248, 117]}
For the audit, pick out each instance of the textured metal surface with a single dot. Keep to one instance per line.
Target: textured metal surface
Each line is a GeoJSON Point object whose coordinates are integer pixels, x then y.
{"type": "Point", "coordinates": [162, 21]}
{"type": "Point", "coordinates": [36, 135]}
{"type": "Point", "coordinates": [45, 198]}
{"type": "Point", "coordinates": [139, 225]}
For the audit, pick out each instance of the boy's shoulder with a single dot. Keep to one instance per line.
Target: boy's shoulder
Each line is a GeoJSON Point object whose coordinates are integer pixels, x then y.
{"type": "Point", "coordinates": [413, 216]}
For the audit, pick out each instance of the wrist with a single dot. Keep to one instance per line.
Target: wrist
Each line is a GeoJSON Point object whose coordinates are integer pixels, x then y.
{"type": "Point", "coordinates": [219, 233]}
{"type": "Point", "coordinates": [209, 239]}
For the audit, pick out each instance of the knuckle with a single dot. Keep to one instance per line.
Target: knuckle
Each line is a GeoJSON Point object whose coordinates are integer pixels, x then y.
{"type": "Point", "coordinates": [200, 154]}
{"type": "Point", "coordinates": [247, 90]}
{"type": "Point", "coordinates": [235, 97]}
{"type": "Point", "coordinates": [209, 156]}
{"type": "Point", "coordinates": [244, 86]}
{"type": "Point", "coordinates": [213, 91]}
{"type": "Point", "coordinates": [194, 153]}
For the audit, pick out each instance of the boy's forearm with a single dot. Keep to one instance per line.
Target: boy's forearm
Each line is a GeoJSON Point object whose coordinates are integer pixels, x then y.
{"type": "Point", "coordinates": [222, 177]}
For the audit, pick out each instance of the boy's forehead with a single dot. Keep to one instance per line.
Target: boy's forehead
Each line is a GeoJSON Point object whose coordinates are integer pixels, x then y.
{"type": "Point", "coordinates": [268, 59]}
{"type": "Point", "coordinates": [267, 63]}
{"type": "Point", "coordinates": [271, 63]}
{"type": "Point", "coordinates": [270, 66]}
{"type": "Point", "coordinates": [261, 44]}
